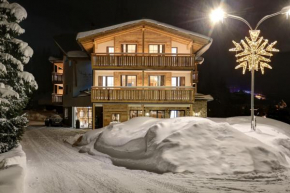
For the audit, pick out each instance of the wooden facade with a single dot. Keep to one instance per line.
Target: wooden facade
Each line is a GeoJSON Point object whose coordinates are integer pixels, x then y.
{"type": "Point", "coordinates": [143, 63]}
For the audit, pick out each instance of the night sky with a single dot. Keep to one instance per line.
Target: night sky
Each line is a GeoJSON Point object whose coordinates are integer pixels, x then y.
{"type": "Point", "coordinates": [47, 19]}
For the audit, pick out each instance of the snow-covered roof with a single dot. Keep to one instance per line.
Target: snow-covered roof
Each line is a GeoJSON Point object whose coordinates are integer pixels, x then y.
{"type": "Point", "coordinates": [199, 96]}
{"type": "Point", "coordinates": [105, 29]}
{"type": "Point", "coordinates": [77, 54]}
{"type": "Point", "coordinates": [54, 59]}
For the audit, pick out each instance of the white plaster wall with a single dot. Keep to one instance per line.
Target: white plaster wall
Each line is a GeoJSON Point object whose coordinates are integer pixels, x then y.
{"type": "Point", "coordinates": [186, 74]}
{"type": "Point", "coordinates": [182, 48]}
{"type": "Point", "coordinates": [102, 47]}
{"type": "Point", "coordinates": [101, 73]}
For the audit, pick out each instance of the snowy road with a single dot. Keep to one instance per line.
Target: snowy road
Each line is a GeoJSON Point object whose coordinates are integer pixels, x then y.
{"type": "Point", "coordinates": [56, 167]}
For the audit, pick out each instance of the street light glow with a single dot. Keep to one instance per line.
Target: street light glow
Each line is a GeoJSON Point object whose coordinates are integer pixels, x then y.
{"type": "Point", "coordinates": [286, 11]}
{"type": "Point", "coordinates": [217, 15]}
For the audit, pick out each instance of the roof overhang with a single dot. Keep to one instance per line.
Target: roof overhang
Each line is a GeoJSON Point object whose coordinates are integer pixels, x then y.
{"type": "Point", "coordinates": [201, 42]}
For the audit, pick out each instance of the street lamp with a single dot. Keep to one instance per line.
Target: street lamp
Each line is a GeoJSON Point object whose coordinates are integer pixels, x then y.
{"type": "Point", "coordinates": [253, 52]}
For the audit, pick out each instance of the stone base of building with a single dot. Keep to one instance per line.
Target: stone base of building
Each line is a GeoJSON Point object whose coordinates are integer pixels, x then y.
{"type": "Point", "coordinates": [104, 114]}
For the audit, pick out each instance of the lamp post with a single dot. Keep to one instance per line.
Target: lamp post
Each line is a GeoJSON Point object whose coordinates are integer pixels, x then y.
{"type": "Point", "coordinates": [252, 53]}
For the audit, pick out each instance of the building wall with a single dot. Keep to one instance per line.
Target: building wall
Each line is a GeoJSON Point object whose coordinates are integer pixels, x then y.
{"type": "Point", "coordinates": [136, 37]}
{"type": "Point", "coordinates": [77, 77]}
{"type": "Point", "coordinates": [108, 110]}
{"type": "Point", "coordinates": [117, 76]}
{"type": "Point", "coordinates": [200, 107]}
{"type": "Point", "coordinates": [102, 47]}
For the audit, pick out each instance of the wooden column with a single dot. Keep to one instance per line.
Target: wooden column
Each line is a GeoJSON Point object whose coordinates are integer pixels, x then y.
{"type": "Point", "coordinates": [191, 110]}
{"type": "Point", "coordinates": [94, 116]}
{"type": "Point", "coordinates": [143, 39]}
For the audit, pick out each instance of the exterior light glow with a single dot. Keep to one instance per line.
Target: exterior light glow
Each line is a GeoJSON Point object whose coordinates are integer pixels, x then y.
{"type": "Point", "coordinates": [253, 53]}
{"type": "Point", "coordinates": [286, 11]}
{"type": "Point", "coordinates": [217, 15]}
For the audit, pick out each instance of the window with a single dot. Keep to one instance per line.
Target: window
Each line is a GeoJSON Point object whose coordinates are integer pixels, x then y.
{"type": "Point", "coordinates": [129, 48]}
{"type": "Point", "coordinates": [136, 113]}
{"type": "Point", "coordinates": [156, 80]}
{"type": "Point", "coordinates": [127, 80]}
{"type": "Point", "coordinates": [110, 49]}
{"type": "Point", "coordinates": [157, 114]}
{"type": "Point", "coordinates": [105, 81]}
{"type": "Point", "coordinates": [178, 81]}
{"type": "Point", "coordinates": [174, 50]}
{"type": "Point", "coordinates": [156, 48]}
{"type": "Point", "coordinates": [174, 114]}
{"type": "Point", "coordinates": [115, 117]}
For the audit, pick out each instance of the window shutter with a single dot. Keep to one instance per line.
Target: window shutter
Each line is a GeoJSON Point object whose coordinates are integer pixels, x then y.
{"type": "Point", "coordinates": [163, 48]}
{"type": "Point", "coordinates": [182, 81]}
{"type": "Point", "coordinates": [100, 80]}
{"type": "Point", "coordinates": [162, 81]}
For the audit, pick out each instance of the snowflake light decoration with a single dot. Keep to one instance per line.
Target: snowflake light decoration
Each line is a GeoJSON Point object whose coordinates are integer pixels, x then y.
{"type": "Point", "coordinates": [253, 53]}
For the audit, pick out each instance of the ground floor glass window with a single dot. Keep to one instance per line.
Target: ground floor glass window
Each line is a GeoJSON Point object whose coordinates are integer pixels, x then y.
{"type": "Point", "coordinates": [136, 113]}
{"type": "Point", "coordinates": [174, 114]}
{"type": "Point", "coordinates": [157, 114]}
{"type": "Point", "coordinates": [82, 117]}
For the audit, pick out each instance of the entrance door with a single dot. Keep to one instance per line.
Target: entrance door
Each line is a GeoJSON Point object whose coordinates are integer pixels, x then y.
{"type": "Point", "coordinates": [98, 117]}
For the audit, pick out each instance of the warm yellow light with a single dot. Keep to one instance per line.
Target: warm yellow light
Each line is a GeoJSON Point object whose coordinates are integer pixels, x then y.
{"type": "Point", "coordinates": [254, 53]}
{"type": "Point", "coordinates": [217, 15]}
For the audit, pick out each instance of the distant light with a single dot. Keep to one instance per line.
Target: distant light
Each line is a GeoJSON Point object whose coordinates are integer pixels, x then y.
{"type": "Point", "coordinates": [217, 15]}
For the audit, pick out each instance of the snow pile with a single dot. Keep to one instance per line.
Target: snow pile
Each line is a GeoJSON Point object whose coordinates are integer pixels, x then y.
{"type": "Point", "coordinates": [12, 170]}
{"type": "Point", "coordinates": [188, 144]}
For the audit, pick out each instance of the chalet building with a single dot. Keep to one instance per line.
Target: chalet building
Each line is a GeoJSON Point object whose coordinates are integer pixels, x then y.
{"type": "Point", "coordinates": [139, 68]}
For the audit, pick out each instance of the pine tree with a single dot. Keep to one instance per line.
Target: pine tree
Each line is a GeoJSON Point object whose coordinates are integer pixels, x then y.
{"type": "Point", "coordinates": [15, 84]}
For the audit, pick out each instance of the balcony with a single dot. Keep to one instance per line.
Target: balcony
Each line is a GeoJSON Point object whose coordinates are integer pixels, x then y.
{"type": "Point", "coordinates": [143, 94]}
{"type": "Point", "coordinates": [56, 77]}
{"type": "Point", "coordinates": [56, 98]}
{"type": "Point", "coordinates": [141, 61]}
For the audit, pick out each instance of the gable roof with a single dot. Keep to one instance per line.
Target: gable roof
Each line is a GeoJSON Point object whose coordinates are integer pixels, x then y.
{"type": "Point", "coordinates": [106, 29]}
{"type": "Point", "coordinates": [89, 36]}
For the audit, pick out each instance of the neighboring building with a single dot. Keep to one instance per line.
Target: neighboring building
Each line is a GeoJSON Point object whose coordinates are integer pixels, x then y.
{"type": "Point", "coordinates": [57, 81]}
{"type": "Point", "coordinates": [139, 68]}
{"type": "Point", "coordinates": [72, 81]}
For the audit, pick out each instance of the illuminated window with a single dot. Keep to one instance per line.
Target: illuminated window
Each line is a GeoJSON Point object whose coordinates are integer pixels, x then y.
{"type": "Point", "coordinates": [156, 49]}
{"type": "Point", "coordinates": [129, 48]}
{"type": "Point", "coordinates": [136, 113]}
{"type": "Point", "coordinates": [110, 49]}
{"type": "Point", "coordinates": [105, 81]}
{"type": "Point", "coordinates": [128, 80]}
{"type": "Point", "coordinates": [115, 117]}
{"type": "Point", "coordinates": [174, 114]}
{"type": "Point", "coordinates": [174, 50]}
{"type": "Point", "coordinates": [156, 81]}
{"type": "Point", "coordinates": [178, 81]}
{"type": "Point", "coordinates": [157, 114]}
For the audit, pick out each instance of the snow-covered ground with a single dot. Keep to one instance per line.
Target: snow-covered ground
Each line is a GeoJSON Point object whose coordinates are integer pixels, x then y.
{"type": "Point", "coordinates": [55, 166]}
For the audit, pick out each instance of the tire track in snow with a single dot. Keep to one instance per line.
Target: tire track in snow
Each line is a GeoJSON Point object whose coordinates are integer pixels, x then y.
{"type": "Point", "coordinates": [56, 167]}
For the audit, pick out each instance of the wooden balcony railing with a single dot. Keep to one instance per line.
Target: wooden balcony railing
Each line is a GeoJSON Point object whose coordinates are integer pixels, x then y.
{"type": "Point", "coordinates": [143, 94]}
{"type": "Point", "coordinates": [56, 98]}
{"type": "Point", "coordinates": [143, 61]}
{"type": "Point", "coordinates": [56, 77]}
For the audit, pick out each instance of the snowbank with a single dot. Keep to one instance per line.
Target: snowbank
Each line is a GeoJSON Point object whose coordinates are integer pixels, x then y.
{"type": "Point", "coordinates": [12, 170]}
{"type": "Point", "coordinates": [190, 144]}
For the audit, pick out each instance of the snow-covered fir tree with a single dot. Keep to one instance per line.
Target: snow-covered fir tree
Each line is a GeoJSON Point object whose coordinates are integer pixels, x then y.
{"type": "Point", "coordinates": [15, 84]}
